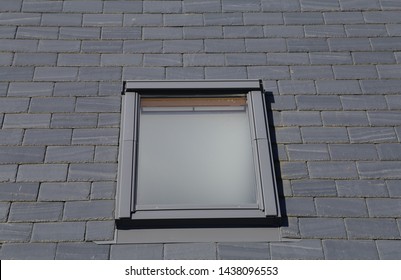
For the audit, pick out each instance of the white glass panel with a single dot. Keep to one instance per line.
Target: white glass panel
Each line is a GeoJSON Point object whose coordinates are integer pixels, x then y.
{"type": "Point", "coordinates": [195, 158]}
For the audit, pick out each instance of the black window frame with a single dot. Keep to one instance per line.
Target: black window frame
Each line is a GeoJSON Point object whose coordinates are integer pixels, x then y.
{"type": "Point", "coordinates": [126, 215]}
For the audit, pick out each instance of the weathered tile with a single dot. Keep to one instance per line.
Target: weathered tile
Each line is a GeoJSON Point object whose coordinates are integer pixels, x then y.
{"type": "Point", "coordinates": [137, 252]}
{"type": "Point", "coordinates": [341, 207]}
{"type": "Point", "coordinates": [299, 206]}
{"type": "Point", "coordinates": [92, 171]}
{"type": "Point", "coordinates": [26, 121]}
{"type": "Point", "coordinates": [389, 249]}
{"type": "Point", "coordinates": [371, 134]}
{"type": "Point", "coordinates": [14, 232]}
{"type": "Point", "coordinates": [104, 136]}
{"type": "Point", "coordinates": [350, 250]}
{"type": "Point", "coordinates": [103, 190]}
{"type": "Point", "coordinates": [82, 251]}
{"type": "Point", "coordinates": [88, 210]}
{"type": "Point", "coordinates": [47, 137]}
{"type": "Point", "coordinates": [361, 188]}
{"type": "Point", "coordinates": [308, 152]}
{"type": "Point", "coordinates": [380, 170]}
{"type": "Point", "coordinates": [64, 191]}
{"type": "Point", "coordinates": [297, 250]}
{"type": "Point", "coordinates": [35, 211]}
{"type": "Point", "coordinates": [353, 152]}
{"type": "Point", "coordinates": [314, 188]}
{"type": "Point", "coordinates": [368, 228]}
{"type": "Point", "coordinates": [21, 154]}
{"type": "Point", "coordinates": [384, 207]}
{"type": "Point", "coordinates": [100, 230]}
{"type": "Point", "coordinates": [42, 172]}
{"type": "Point", "coordinates": [64, 231]}
{"type": "Point", "coordinates": [28, 251]}
{"type": "Point", "coordinates": [322, 228]}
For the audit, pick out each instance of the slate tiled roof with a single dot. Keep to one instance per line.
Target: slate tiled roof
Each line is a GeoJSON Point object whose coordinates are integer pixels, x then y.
{"type": "Point", "coordinates": [333, 70]}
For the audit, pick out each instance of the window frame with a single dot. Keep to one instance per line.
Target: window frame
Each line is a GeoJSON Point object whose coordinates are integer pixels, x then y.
{"type": "Point", "coordinates": [261, 146]}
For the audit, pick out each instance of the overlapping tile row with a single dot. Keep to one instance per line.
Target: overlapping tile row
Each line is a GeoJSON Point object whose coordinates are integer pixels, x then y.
{"type": "Point", "coordinates": [332, 70]}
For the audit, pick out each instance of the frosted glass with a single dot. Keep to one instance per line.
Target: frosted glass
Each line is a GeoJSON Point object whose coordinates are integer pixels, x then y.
{"type": "Point", "coordinates": [201, 158]}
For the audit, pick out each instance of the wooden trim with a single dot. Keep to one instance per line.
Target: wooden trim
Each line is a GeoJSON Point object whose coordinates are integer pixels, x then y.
{"type": "Point", "coordinates": [192, 101]}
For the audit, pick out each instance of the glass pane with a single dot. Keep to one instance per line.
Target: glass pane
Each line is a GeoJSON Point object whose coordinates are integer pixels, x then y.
{"type": "Point", "coordinates": [195, 157]}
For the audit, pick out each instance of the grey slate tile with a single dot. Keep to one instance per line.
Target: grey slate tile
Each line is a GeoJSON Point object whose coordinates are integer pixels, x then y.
{"type": "Point", "coordinates": [88, 210]}
{"type": "Point", "coordinates": [121, 59]}
{"type": "Point", "coordinates": [203, 59]}
{"type": "Point", "coordinates": [52, 105]}
{"type": "Point", "coordinates": [56, 73]}
{"type": "Point", "coordinates": [122, 7]}
{"type": "Point", "coordinates": [393, 29]}
{"type": "Point", "coordinates": [290, 230]}
{"type": "Point", "coordinates": [332, 170]}
{"type": "Point", "coordinates": [64, 191]}
{"type": "Point", "coordinates": [245, 59]}
{"type": "Point", "coordinates": [109, 119]}
{"type": "Point", "coordinates": [341, 207]}
{"type": "Point", "coordinates": [386, 44]}
{"type": "Point", "coordinates": [203, 32]}
{"type": "Point", "coordinates": [262, 18]}
{"type": "Point", "coordinates": [369, 228]}
{"type": "Point", "coordinates": [141, 73]}
{"type": "Point", "coordinates": [353, 152]}
{"type": "Point", "coordinates": [380, 86]}
{"type": "Point", "coordinates": [243, 31]}
{"type": "Point", "coordinates": [264, 72]}
{"type": "Point", "coordinates": [382, 16]}
{"type": "Point", "coordinates": [14, 105]}
{"type": "Point", "coordinates": [143, 20]}
{"type": "Point", "coordinates": [363, 102]}
{"type": "Point", "coordinates": [8, 173]}
{"type": "Point", "coordinates": [26, 121]}
{"type": "Point", "coordinates": [82, 6]}
{"type": "Point", "coordinates": [384, 207]}
{"type": "Point", "coordinates": [311, 102]}
{"type": "Point", "coordinates": [380, 170]}
{"type": "Point", "coordinates": [296, 87]}
{"type": "Point", "coordinates": [315, 5]}
{"type": "Point", "coordinates": [11, 74]}
{"type": "Point", "coordinates": [343, 17]}
{"type": "Point", "coordinates": [7, 32]}
{"type": "Point", "coordinates": [384, 118]}
{"type": "Point", "coordinates": [303, 18]}
{"type": "Point", "coordinates": [162, 60]}
{"type": "Point", "coordinates": [240, 5]}
{"type": "Point", "coordinates": [349, 44]}
{"type": "Point", "coordinates": [281, 6]}
{"type": "Point", "coordinates": [104, 136]}
{"type": "Point", "coordinates": [182, 20]}
{"type": "Point", "coordinates": [59, 19]}
{"type": "Point", "coordinates": [361, 188]}
{"type": "Point", "coordinates": [284, 31]}
{"type": "Point", "coordinates": [347, 118]}
{"type": "Point", "coordinates": [106, 154]}
{"type": "Point", "coordinates": [373, 57]}
{"type": "Point", "coordinates": [110, 89]}
{"type": "Point", "coordinates": [353, 72]}
{"type": "Point", "coordinates": [394, 102]}
{"type": "Point", "coordinates": [308, 152]}
{"type": "Point", "coordinates": [293, 170]}
{"type": "Point", "coordinates": [307, 45]}
{"type": "Point", "coordinates": [164, 7]}
{"type": "Point", "coordinates": [47, 137]}
{"type": "Point", "coordinates": [215, 19]}
{"type": "Point", "coordinates": [92, 171]}
{"type": "Point", "coordinates": [300, 118]}
{"type": "Point", "coordinates": [224, 45]}
{"type": "Point", "coordinates": [17, 232]}
{"type": "Point", "coordinates": [177, 73]}
{"type": "Point", "coordinates": [37, 33]}
{"type": "Point", "coordinates": [324, 134]}
{"type": "Point", "coordinates": [76, 89]}
{"type": "Point", "coordinates": [100, 73]}
{"type": "Point", "coordinates": [42, 6]}
{"type": "Point", "coordinates": [324, 31]}
{"type": "Point", "coordinates": [389, 151]}
{"type": "Point", "coordinates": [311, 72]}
{"type": "Point", "coordinates": [98, 104]}
{"type": "Point", "coordinates": [322, 58]}
{"type": "Point", "coordinates": [4, 209]}
{"type": "Point", "coordinates": [190, 251]}
{"type": "Point", "coordinates": [123, 33]}
{"type": "Point", "coordinates": [20, 18]}
{"type": "Point", "coordinates": [303, 249]}
{"type": "Point", "coordinates": [322, 228]}
{"type": "Point", "coordinates": [69, 154]}
{"type": "Point", "coordinates": [314, 188]}
{"type": "Point", "coordinates": [243, 251]}
{"type": "Point", "coordinates": [137, 252]}
{"type": "Point", "coordinates": [28, 251]}
{"type": "Point", "coordinates": [11, 136]}
{"type": "Point", "coordinates": [73, 120]}
{"type": "Point", "coordinates": [350, 250]}
{"type": "Point", "coordinates": [337, 87]}
{"type": "Point", "coordinates": [11, 6]}
{"type": "Point", "coordinates": [35, 211]}
{"type": "Point", "coordinates": [82, 251]}
{"type": "Point", "coordinates": [359, 5]}
{"type": "Point", "coordinates": [79, 32]}
{"type": "Point", "coordinates": [299, 206]}
{"type": "Point", "coordinates": [266, 45]}
{"type": "Point", "coordinates": [150, 33]}
{"type": "Point", "coordinates": [3, 88]}
{"type": "Point", "coordinates": [286, 59]}
{"type": "Point", "coordinates": [39, 59]}
{"type": "Point", "coordinates": [78, 60]}
{"type": "Point", "coordinates": [99, 230]}
{"type": "Point", "coordinates": [42, 172]}
{"type": "Point", "coordinates": [281, 102]}
{"type": "Point", "coordinates": [145, 46]}
{"type": "Point", "coordinates": [362, 30]}
{"type": "Point", "coordinates": [287, 135]}
{"type": "Point", "coordinates": [389, 249]}
{"type": "Point", "coordinates": [21, 154]}
{"type": "Point", "coordinates": [18, 191]}
{"type": "Point", "coordinates": [56, 232]}
{"type": "Point", "coordinates": [371, 134]}
{"type": "Point", "coordinates": [103, 190]}
{"type": "Point", "coordinates": [106, 46]}
{"type": "Point", "coordinates": [102, 20]}
{"type": "Point", "coordinates": [389, 71]}
{"type": "Point", "coordinates": [394, 188]}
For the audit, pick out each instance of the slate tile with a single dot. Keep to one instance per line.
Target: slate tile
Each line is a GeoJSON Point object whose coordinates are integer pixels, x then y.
{"type": "Point", "coordinates": [143, 20]}
{"type": "Point", "coordinates": [64, 191]}
{"type": "Point", "coordinates": [264, 72]}
{"type": "Point", "coordinates": [20, 18]}
{"type": "Point", "coordinates": [69, 154]}
{"type": "Point", "coordinates": [47, 137]}
{"type": "Point", "coordinates": [144, 73]}
{"type": "Point", "coordinates": [79, 32]}
{"type": "Point", "coordinates": [380, 170]}
{"type": "Point", "coordinates": [88, 210]}
{"type": "Point", "coordinates": [92, 171]}
{"type": "Point", "coordinates": [146, 46]}
{"type": "Point", "coordinates": [290, 230]}
{"type": "Point", "coordinates": [122, 7]}
{"type": "Point", "coordinates": [8, 173]}
{"type": "Point", "coordinates": [39, 59]}
{"type": "Point", "coordinates": [372, 228]}
{"type": "Point", "coordinates": [361, 188]}
{"type": "Point", "coordinates": [299, 206]}
{"type": "Point", "coordinates": [371, 134]}
{"type": "Point", "coordinates": [106, 46]}
{"type": "Point", "coordinates": [100, 73]}
{"type": "Point", "coordinates": [42, 6]}
{"type": "Point", "coordinates": [150, 33]}
{"type": "Point", "coordinates": [28, 251]}
{"type": "Point", "coordinates": [315, 5]}
{"type": "Point", "coordinates": [4, 209]}
{"type": "Point", "coordinates": [307, 45]}
{"type": "Point", "coordinates": [203, 32]}
{"type": "Point", "coordinates": [303, 249]}
{"type": "Point", "coordinates": [7, 32]}
{"type": "Point", "coordinates": [182, 20]}
{"type": "Point", "coordinates": [384, 207]}
{"type": "Point", "coordinates": [11, 136]}
{"type": "Point", "coordinates": [243, 31]}
{"type": "Point", "coordinates": [315, 188]}
{"type": "Point", "coordinates": [332, 170]}
{"type": "Point", "coordinates": [11, 74]}
{"type": "Point", "coordinates": [137, 252]}
{"type": "Point", "coordinates": [311, 102]}
{"type": "Point", "coordinates": [311, 72]}
{"type": "Point", "coordinates": [363, 102]}
{"type": "Point", "coordinates": [26, 121]}
{"type": "Point", "coordinates": [281, 102]}
{"type": "Point", "coordinates": [393, 29]}
{"type": "Point", "coordinates": [104, 136]}
{"type": "Point", "coordinates": [215, 19]}
{"type": "Point", "coordinates": [113, 89]}
{"type": "Point", "coordinates": [296, 87]}
{"type": "Point", "coordinates": [109, 119]}
{"type": "Point", "coordinates": [102, 20]}
{"type": "Point", "coordinates": [18, 191]}
{"type": "Point", "coordinates": [353, 72]}
{"type": "Point", "coordinates": [322, 228]}
{"type": "Point", "coordinates": [349, 44]}
{"type": "Point", "coordinates": [389, 249]}
{"type": "Point", "coordinates": [100, 230]}
{"type": "Point", "coordinates": [243, 59]}
{"type": "Point", "coordinates": [373, 57]}
{"type": "Point", "coordinates": [164, 7]}
{"type": "Point", "coordinates": [347, 118]}
{"type": "Point", "coordinates": [190, 251]}
{"type": "Point", "coordinates": [394, 188]}
{"type": "Point", "coordinates": [76, 89]}
{"type": "Point", "coordinates": [98, 104]}
{"type": "Point", "coordinates": [103, 190]}
{"type": "Point", "coordinates": [390, 151]}
{"type": "Point", "coordinates": [21, 154]}
{"type": "Point", "coordinates": [322, 58]}
{"type": "Point", "coordinates": [287, 135]}
{"type": "Point", "coordinates": [386, 44]}
{"type": "Point", "coordinates": [56, 73]}
{"type": "Point", "coordinates": [384, 118]}
{"type": "Point", "coordinates": [382, 16]}
{"type": "Point", "coordinates": [303, 18]}
{"type": "Point", "coordinates": [308, 152]}
{"type": "Point", "coordinates": [162, 60]}
{"type": "Point", "coordinates": [293, 170]}
{"type": "Point", "coordinates": [338, 87]}
{"type": "Point", "coordinates": [42, 172]}
{"type": "Point", "coordinates": [35, 211]}
{"type": "Point", "coordinates": [300, 118]}
{"type": "Point", "coordinates": [324, 31]}
{"type": "Point", "coordinates": [285, 59]}
{"type": "Point", "coordinates": [341, 207]}
{"type": "Point", "coordinates": [59, 19]}
{"type": "Point", "coordinates": [17, 232]}
{"type": "Point", "coordinates": [262, 18]}
{"type": "Point", "coordinates": [177, 73]}
{"type": "Point", "coordinates": [361, 30]}
{"type": "Point", "coordinates": [74, 120]}
{"type": "Point", "coordinates": [121, 59]}
{"type": "Point", "coordinates": [14, 105]}
{"type": "Point", "coordinates": [353, 152]}
{"type": "Point", "coordinates": [243, 251]}
{"type": "Point", "coordinates": [224, 45]}
{"type": "Point", "coordinates": [203, 59]}
{"type": "Point", "coordinates": [37, 33]}
{"type": "Point", "coordinates": [123, 33]}
{"type": "Point", "coordinates": [394, 102]}
{"type": "Point", "coordinates": [11, 6]}
{"type": "Point", "coordinates": [82, 251]}
{"type": "Point", "coordinates": [52, 105]}
{"type": "Point", "coordinates": [389, 71]}
{"type": "Point", "coordinates": [284, 31]}
{"type": "Point", "coordinates": [350, 250]}
{"type": "Point", "coordinates": [56, 232]}
{"type": "Point", "coordinates": [280, 6]}
{"type": "Point", "coordinates": [380, 86]}
{"type": "Point", "coordinates": [193, 6]}
{"type": "Point", "coordinates": [106, 154]}
{"type": "Point", "coordinates": [324, 134]}
{"type": "Point", "coordinates": [78, 60]}
{"type": "Point", "coordinates": [82, 6]}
